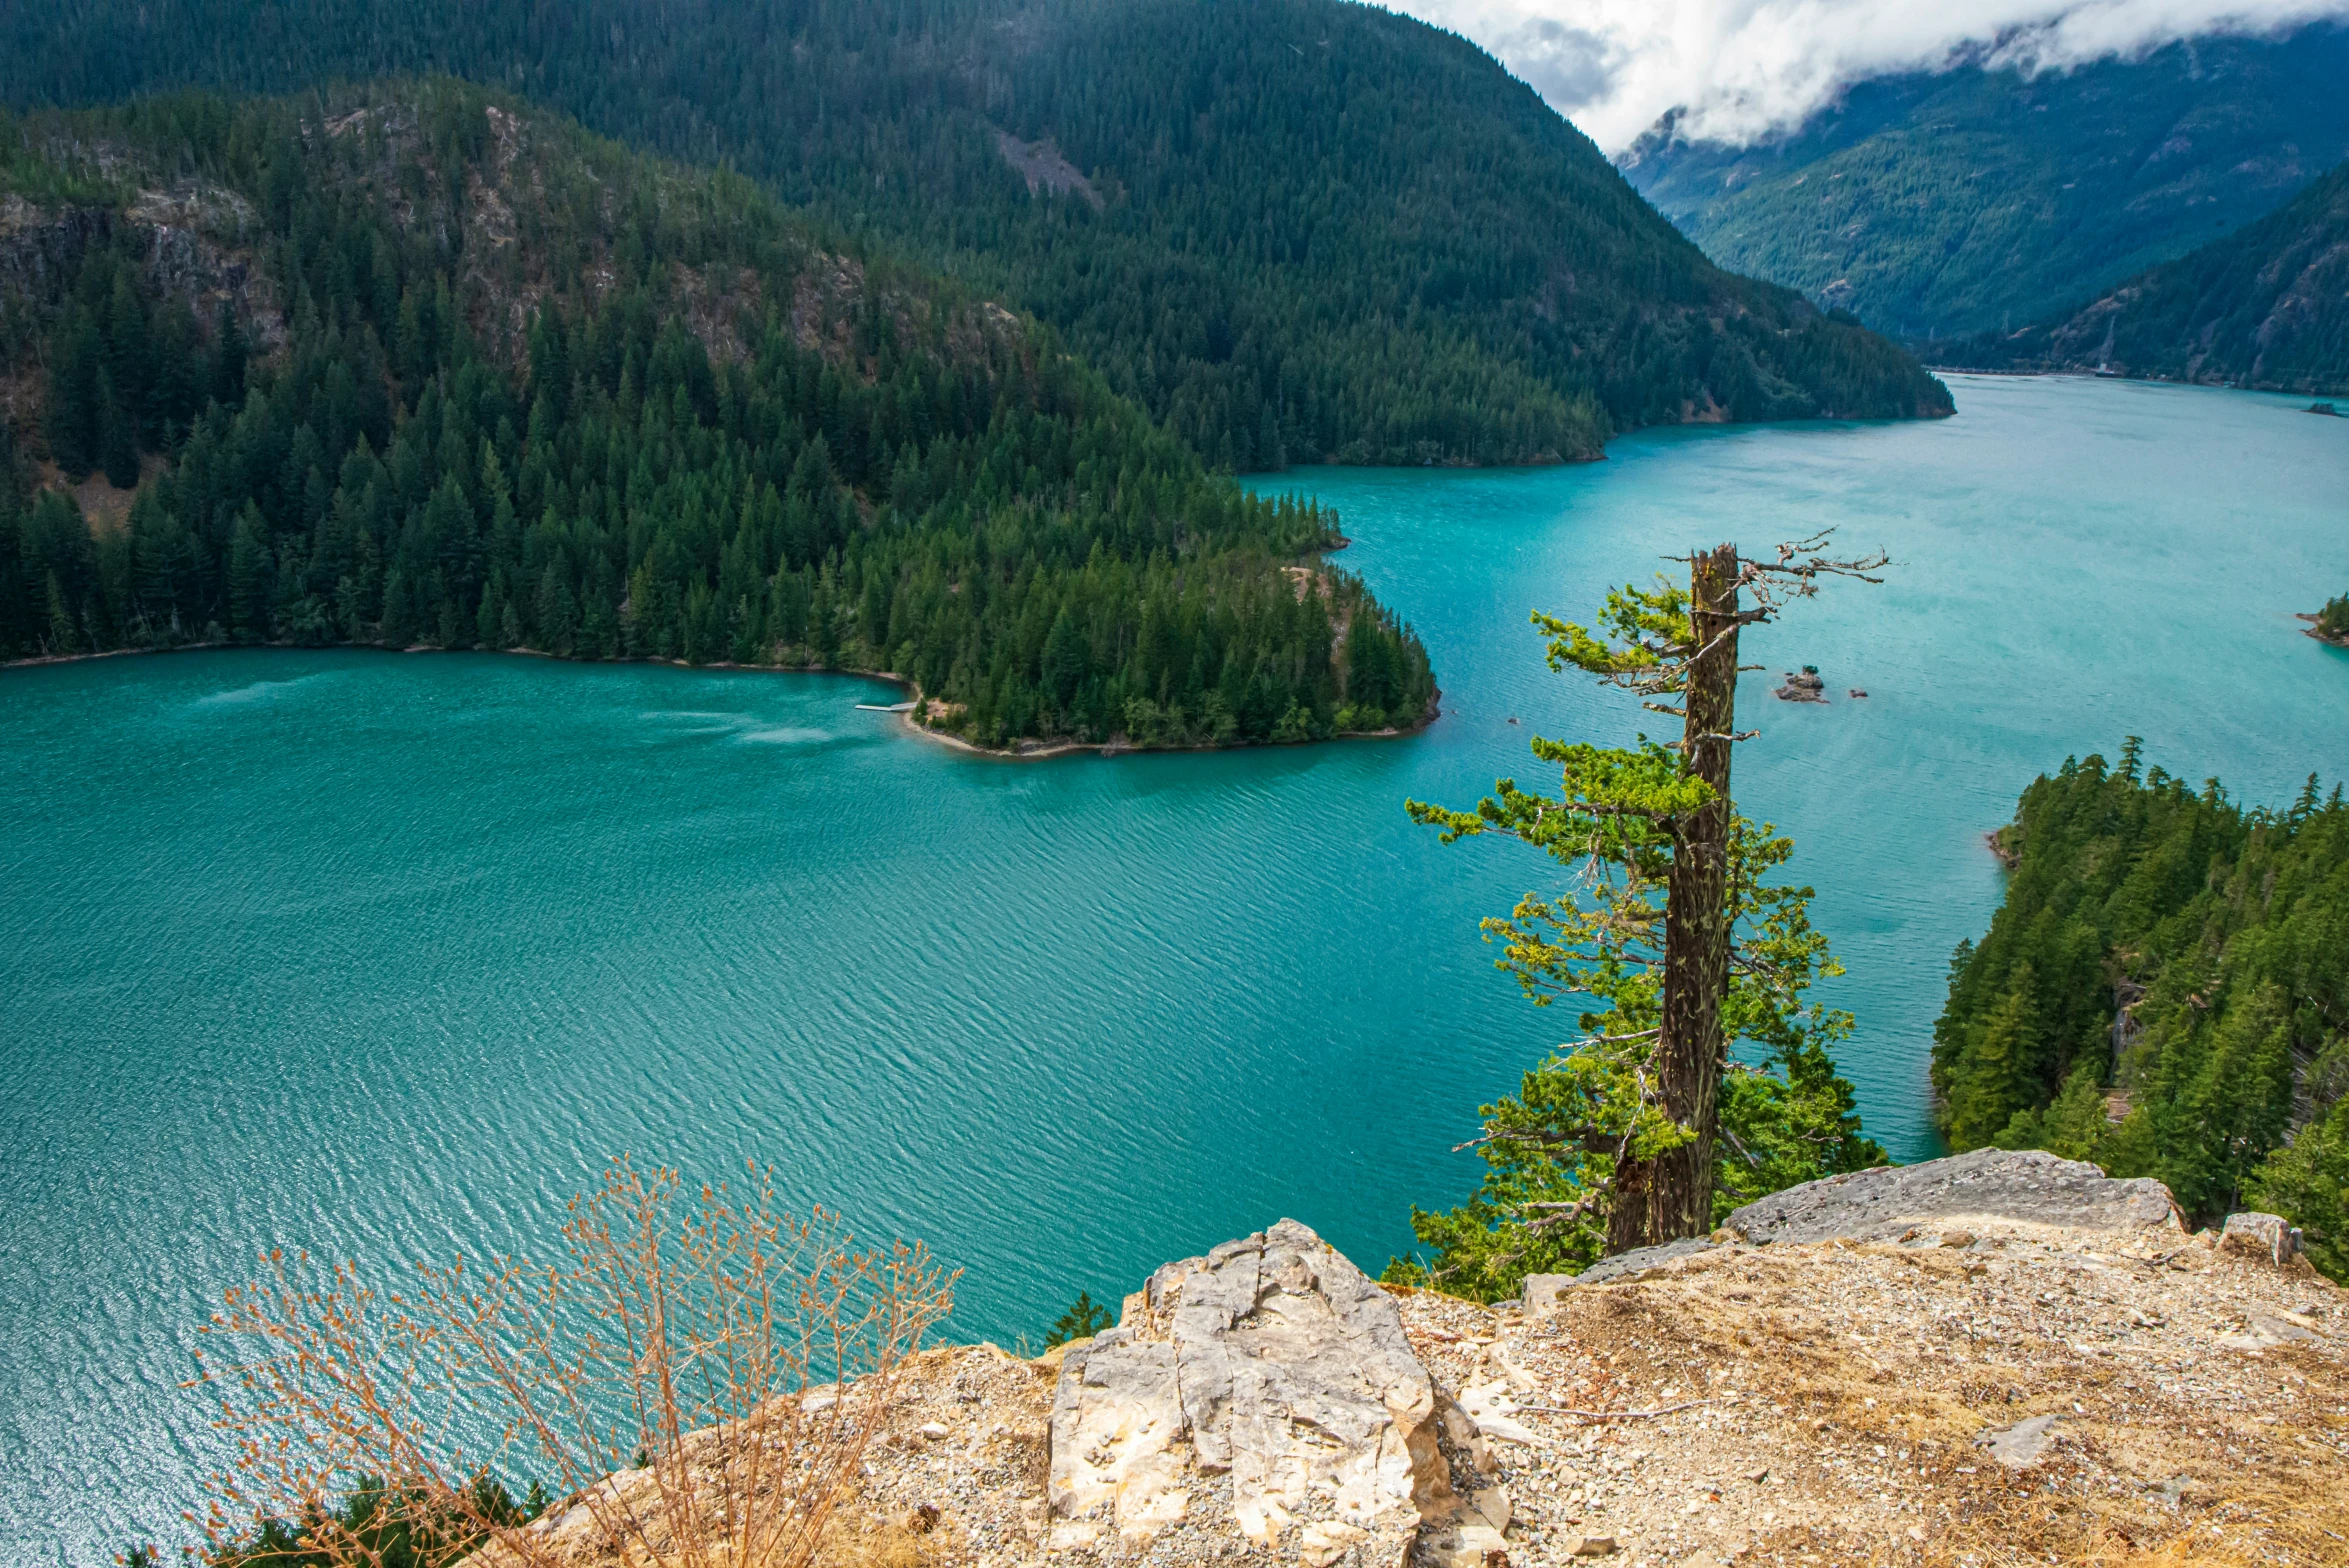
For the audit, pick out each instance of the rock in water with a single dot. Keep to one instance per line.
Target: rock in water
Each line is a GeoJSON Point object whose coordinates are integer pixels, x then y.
{"type": "Point", "coordinates": [1273, 1361]}
{"type": "Point", "coordinates": [1804, 685]}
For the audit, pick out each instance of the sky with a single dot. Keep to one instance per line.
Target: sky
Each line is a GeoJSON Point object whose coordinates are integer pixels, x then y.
{"type": "Point", "coordinates": [1742, 69]}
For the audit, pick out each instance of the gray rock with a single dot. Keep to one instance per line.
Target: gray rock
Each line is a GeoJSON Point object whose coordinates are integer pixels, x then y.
{"type": "Point", "coordinates": [1272, 1359]}
{"type": "Point", "coordinates": [2266, 1330]}
{"type": "Point", "coordinates": [2020, 1446]}
{"type": "Point", "coordinates": [2268, 1237]}
{"type": "Point", "coordinates": [1543, 1291]}
{"type": "Point", "coordinates": [2029, 1185]}
{"type": "Point", "coordinates": [1629, 1265]}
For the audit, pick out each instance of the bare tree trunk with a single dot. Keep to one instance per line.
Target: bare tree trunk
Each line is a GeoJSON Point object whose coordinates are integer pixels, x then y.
{"type": "Point", "coordinates": [1672, 1196]}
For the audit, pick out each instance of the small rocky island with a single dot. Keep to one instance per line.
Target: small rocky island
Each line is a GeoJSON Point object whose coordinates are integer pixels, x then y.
{"type": "Point", "coordinates": [1804, 685]}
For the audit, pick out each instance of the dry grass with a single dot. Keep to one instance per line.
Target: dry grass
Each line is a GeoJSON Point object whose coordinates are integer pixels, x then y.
{"type": "Point", "coordinates": [700, 1386]}
{"type": "Point", "coordinates": [1842, 1392]}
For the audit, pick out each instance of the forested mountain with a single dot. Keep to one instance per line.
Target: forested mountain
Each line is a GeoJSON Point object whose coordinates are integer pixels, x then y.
{"type": "Point", "coordinates": [434, 369]}
{"type": "Point", "coordinates": [2165, 991]}
{"type": "Point", "coordinates": [1289, 229]}
{"type": "Point", "coordinates": [2265, 307]}
{"type": "Point", "coordinates": [1975, 199]}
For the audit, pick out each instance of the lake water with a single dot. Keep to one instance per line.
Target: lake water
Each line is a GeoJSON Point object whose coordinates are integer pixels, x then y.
{"type": "Point", "coordinates": [376, 954]}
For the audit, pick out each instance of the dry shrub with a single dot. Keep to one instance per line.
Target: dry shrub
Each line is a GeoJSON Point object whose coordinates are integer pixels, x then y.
{"type": "Point", "coordinates": [699, 1389]}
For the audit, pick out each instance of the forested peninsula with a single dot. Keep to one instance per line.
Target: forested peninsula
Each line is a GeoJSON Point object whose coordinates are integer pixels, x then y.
{"type": "Point", "coordinates": [1289, 230]}
{"type": "Point", "coordinates": [421, 365]}
{"type": "Point", "coordinates": [2165, 991]}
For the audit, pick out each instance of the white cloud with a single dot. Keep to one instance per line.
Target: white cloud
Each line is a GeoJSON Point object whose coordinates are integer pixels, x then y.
{"type": "Point", "coordinates": [1745, 68]}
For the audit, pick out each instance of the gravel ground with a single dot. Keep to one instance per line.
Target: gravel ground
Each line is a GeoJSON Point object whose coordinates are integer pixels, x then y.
{"type": "Point", "coordinates": [2159, 1400]}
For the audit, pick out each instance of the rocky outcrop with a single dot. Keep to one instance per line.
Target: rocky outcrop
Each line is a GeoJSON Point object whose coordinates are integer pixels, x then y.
{"type": "Point", "coordinates": [1989, 1359]}
{"type": "Point", "coordinates": [2029, 1185]}
{"type": "Point", "coordinates": [2266, 1236]}
{"type": "Point", "coordinates": [1938, 1200]}
{"type": "Point", "coordinates": [1804, 685]}
{"type": "Point", "coordinates": [1267, 1388]}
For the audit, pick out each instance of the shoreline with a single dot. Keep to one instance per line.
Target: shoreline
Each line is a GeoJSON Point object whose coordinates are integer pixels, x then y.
{"type": "Point", "coordinates": [1035, 751]}
{"type": "Point", "coordinates": [2310, 630]}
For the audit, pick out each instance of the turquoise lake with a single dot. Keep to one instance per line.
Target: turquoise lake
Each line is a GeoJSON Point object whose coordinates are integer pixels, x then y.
{"type": "Point", "coordinates": [379, 955]}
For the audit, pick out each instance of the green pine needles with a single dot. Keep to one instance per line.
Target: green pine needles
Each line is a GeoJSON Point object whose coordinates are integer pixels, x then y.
{"type": "Point", "coordinates": [2165, 991]}
{"type": "Point", "coordinates": [1084, 1319]}
{"type": "Point", "coordinates": [1675, 944]}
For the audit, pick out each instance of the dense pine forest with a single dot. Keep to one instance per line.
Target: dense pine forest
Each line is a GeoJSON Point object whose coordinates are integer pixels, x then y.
{"type": "Point", "coordinates": [417, 367]}
{"type": "Point", "coordinates": [1977, 199]}
{"type": "Point", "coordinates": [2165, 991]}
{"type": "Point", "coordinates": [1290, 230]}
{"type": "Point", "coordinates": [2266, 308]}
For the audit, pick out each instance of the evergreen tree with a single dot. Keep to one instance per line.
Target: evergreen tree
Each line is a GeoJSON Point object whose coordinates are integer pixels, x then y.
{"type": "Point", "coordinates": [2308, 1179]}
{"type": "Point", "coordinates": [1681, 948]}
{"type": "Point", "coordinates": [64, 637]}
{"type": "Point", "coordinates": [1065, 660]}
{"type": "Point", "coordinates": [77, 400]}
{"type": "Point", "coordinates": [556, 615]}
{"type": "Point", "coordinates": [229, 355]}
{"type": "Point", "coordinates": [251, 577]}
{"type": "Point", "coordinates": [1084, 1319]}
{"type": "Point", "coordinates": [116, 445]}
{"type": "Point", "coordinates": [2003, 1068]}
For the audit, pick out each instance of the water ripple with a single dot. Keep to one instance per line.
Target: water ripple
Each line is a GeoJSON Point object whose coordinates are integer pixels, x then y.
{"type": "Point", "coordinates": [391, 963]}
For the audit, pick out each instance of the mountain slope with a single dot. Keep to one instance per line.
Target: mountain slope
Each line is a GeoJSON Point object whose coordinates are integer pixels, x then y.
{"type": "Point", "coordinates": [1977, 199]}
{"type": "Point", "coordinates": [431, 367]}
{"type": "Point", "coordinates": [1289, 229]}
{"type": "Point", "coordinates": [2266, 308]}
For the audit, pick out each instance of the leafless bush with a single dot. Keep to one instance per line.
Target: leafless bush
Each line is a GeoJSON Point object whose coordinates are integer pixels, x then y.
{"type": "Point", "coordinates": [698, 1389]}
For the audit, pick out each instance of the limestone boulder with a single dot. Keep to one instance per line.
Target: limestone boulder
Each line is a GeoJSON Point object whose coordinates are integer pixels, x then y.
{"type": "Point", "coordinates": [1266, 1389]}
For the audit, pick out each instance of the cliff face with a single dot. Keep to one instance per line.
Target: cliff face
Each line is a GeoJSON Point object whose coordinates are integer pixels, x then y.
{"type": "Point", "coordinates": [1979, 1360]}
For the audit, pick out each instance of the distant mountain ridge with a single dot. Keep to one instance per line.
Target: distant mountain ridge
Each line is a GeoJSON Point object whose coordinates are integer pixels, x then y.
{"type": "Point", "coordinates": [1308, 230]}
{"type": "Point", "coordinates": [2267, 308]}
{"type": "Point", "coordinates": [1974, 199]}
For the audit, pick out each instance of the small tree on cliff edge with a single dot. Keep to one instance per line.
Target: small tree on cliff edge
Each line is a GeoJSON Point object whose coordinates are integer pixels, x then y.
{"type": "Point", "coordinates": [1674, 937]}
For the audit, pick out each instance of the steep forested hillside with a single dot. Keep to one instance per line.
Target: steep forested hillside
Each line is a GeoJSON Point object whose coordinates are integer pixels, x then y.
{"type": "Point", "coordinates": [1942, 205]}
{"type": "Point", "coordinates": [1289, 229]}
{"type": "Point", "coordinates": [2266, 307]}
{"type": "Point", "coordinates": [429, 368]}
{"type": "Point", "coordinates": [2165, 991]}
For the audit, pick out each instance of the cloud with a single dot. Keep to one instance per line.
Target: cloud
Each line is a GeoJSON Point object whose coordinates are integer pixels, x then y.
{"type": "Point", "coordinates": [1741, 69]}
